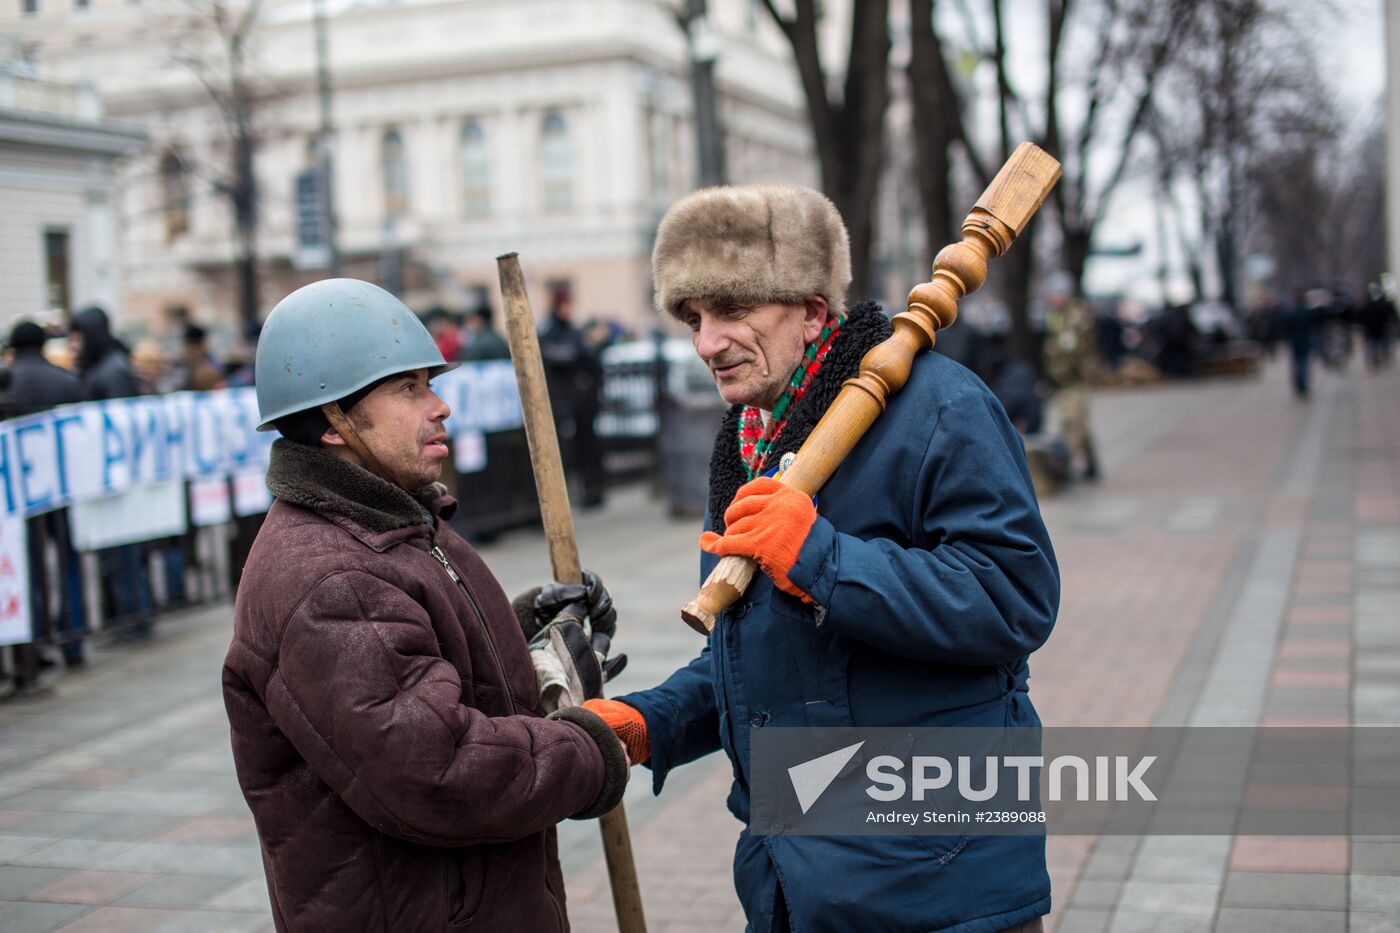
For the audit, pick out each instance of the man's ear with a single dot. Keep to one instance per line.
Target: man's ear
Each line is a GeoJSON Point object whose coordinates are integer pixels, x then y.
{"type": "Point", "coordinates": [332, 438]}
{"type": "Point", "coordinates": [814, 316]}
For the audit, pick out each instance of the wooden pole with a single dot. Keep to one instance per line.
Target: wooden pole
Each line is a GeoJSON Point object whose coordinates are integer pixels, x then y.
{"type": "Point", "coordinates": [998, 218]}
{"type": "Point", "coordinates": [563, 547]}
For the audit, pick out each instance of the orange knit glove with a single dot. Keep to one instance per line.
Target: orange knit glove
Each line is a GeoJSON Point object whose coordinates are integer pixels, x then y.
{"type": "Point", "coordinates": [767, 522]}
{"type": "Point", "coordinates": [627, 723]}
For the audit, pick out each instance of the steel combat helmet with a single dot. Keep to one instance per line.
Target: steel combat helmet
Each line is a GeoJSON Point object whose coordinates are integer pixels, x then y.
{"type": "Point", "coordinates": [332, 338]}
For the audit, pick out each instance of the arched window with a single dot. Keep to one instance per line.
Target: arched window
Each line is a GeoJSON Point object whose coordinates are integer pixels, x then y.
{"type": "Point", "coordinates": [475, 167]}
{"type": "Point", "coordinates": [174, 195]}
{"type": "Point", "coordinates": [556, 162]}
{"type": "Point", "coordinates": [394, 162]}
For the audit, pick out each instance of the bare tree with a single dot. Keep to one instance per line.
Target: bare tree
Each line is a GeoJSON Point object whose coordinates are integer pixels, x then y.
{"type": "Point", "coordinates": [1136, 40]}
{"type": "Point", "coordinates": [847, 126]}
{"type": "Point", "coordinates": [939, 130]}
{"type": "Point", "coordinates": [1247, 126]}
{"type": "Point", "coordinates": [1320, 202]}
{"type": "Point", "coordinates": [214, 44]}
{"type": "Point", "coordinates": [1104, 56]}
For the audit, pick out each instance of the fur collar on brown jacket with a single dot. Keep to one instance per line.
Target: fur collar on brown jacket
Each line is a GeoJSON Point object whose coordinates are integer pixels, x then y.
{"type": "Point", "coordinates": [315, 479]}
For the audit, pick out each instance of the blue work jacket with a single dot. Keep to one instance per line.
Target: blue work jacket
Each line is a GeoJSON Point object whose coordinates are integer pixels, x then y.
{"type": "Point", "coordinates": [932, 579]}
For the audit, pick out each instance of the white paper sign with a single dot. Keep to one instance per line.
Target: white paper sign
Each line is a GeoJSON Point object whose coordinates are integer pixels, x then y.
{"type": "Point", "coordinates": [15, 624]}
{"type": "Point", "coordinates": [250, 493]}
{"type": "Point", "coordinates": [209, 502]}
{"type": "Point", "coordinates": [469, 448]}
{"type": "Point", "coordinates": [141, 513]}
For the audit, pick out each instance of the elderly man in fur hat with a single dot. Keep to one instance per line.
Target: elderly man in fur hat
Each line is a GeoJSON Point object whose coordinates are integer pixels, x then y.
{"type": "Point", "coordinates": [909, 594]}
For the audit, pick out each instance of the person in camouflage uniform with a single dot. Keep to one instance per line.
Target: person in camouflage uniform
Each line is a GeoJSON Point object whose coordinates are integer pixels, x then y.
{"type": "Point", "coordinates": [1069, 364]}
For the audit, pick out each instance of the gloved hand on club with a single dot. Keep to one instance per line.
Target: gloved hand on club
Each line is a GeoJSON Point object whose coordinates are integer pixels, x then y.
{"type": "Point", "coordinates": [570, 627]}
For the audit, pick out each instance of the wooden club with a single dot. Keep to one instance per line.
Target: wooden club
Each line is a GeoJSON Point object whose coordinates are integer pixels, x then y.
{"type": "Point", "coordinates": [996, 220]}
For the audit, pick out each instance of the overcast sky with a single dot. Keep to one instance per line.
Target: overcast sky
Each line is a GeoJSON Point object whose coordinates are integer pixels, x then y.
{"type": "Point", "coordinates": [1352, 51]}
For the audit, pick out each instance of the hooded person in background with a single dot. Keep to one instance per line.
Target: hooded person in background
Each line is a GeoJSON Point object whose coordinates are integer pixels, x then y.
{"type": "Point", "coordinates": [103, 361]}
{"type": "Point", "coordinates": [483, 342]}
{"type": "Point", "coordinates": [196, 369]}
{"type": "Point", "coordinates": [35, 383]}
{"type": "Point", "coordinates": [909, 594]}
{"type": "Point", "coordinates": [389, 731]}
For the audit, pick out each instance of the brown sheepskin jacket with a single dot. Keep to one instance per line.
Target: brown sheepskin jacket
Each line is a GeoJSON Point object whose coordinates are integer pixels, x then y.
{"type": "Point", "coordinates": [385, 720]}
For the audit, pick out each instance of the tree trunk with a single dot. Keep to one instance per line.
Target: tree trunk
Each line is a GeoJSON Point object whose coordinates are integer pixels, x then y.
{"type": "Point", "coordinates": [245, 218]}
{"type": "Point", "coordinates": [849, 135]}
{"type": "Point", "coordinates": [863, 107]}
{"type": "Point", "coordinates": [1016, 291]}
{"type": "Point", "coordinates": [1225, 259]}
{"type": "Point", "coordinates": [937, 125]}
{"type": "Point", "coordinates": [1075, 250]}
{"type": "Point", "coordinates": [1020, 262]}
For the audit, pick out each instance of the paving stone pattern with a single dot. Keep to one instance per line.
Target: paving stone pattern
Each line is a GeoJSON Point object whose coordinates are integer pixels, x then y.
{"type": "Point", "coordinates": [1239, 564]}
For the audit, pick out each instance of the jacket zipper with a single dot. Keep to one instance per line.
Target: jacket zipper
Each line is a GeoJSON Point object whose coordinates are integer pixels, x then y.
{"type": "Point", "coordinates": [490, 639]}
{"type": "Point", "coordinates": [558, 909]}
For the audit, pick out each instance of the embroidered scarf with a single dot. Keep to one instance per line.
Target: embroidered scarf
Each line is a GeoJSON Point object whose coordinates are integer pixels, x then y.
{"type": "Point", "coordinates": [865, 327]}
{"type": "Point", "coordinates": [756, 438]}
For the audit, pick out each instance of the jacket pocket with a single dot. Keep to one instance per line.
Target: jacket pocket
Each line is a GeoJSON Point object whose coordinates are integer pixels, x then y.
{"type": "Point", "coordinates": [820, 658]}
{"type": "Point", "coordinates": [465, 884]}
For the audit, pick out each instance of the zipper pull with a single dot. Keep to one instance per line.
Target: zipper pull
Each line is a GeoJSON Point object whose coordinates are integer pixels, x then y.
{"type": "Point", "coordinates": [442, 559]}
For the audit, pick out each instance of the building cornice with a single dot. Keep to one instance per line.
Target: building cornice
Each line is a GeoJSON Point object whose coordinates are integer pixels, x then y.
{"type": "Point", "coordinates": [107, 137]}
{"type": "Point", "coordinates": [410, 71]}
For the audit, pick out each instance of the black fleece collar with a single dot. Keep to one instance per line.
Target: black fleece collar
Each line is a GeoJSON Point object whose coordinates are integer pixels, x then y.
{"type": "Point", "coordinates": [314, 479]}
{"type": "Point", "coordinates": [865, 327]}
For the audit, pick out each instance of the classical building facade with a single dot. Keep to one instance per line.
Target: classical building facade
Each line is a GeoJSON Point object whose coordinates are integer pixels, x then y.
{"type": "Point", "coordinates": [58, 222]}
{"type": "Point", "coordinates": [462, 129]}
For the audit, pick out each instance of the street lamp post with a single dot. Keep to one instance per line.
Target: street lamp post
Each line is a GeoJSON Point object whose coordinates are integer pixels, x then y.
{"type": "Point", "coordinates": [702, 46]}
{"type": "Point", "coordinates": [325, 139]}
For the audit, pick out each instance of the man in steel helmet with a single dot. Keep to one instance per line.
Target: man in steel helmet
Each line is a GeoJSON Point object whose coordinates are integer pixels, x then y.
{"type": "Point", "coordinates": [387, 725]}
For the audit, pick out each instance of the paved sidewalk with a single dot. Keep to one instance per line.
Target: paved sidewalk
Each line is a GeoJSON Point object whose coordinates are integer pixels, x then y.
{"type": "Point", "coordinates": [1240, 563]}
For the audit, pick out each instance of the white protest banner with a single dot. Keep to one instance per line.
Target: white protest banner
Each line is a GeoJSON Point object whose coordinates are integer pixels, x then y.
{"type": "Point", "coordinates": [16, 627]}
{"type": "Point", "coordinates": [469, 451]}
{"type": "Point", "coordinates": [250, 494]}
{"type": "Point", "coordinates": [80, 453]}
{"type": "Point", "coordinates": [137, 513]}
{"type": "Point", "coordinates": [209, 502]}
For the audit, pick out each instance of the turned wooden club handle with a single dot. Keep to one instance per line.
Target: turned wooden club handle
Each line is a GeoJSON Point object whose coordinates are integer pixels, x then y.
{"type": "Point", "coordinates": [998, 217]}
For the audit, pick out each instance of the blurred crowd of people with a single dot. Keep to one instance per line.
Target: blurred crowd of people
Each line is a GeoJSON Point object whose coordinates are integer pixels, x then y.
{"type": "Point", "coordinates": [44, 367]}
{"type": "Point", "coordinates": [1085, 342]}
{"type": "Point", "coordinates": [573, 364]}
{"type": "Point", "coordinates": [87, 362]}
{"type": "Point", "coordinates": [1321, 323]}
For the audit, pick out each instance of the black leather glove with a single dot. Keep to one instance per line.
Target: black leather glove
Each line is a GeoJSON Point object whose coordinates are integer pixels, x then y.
{"type": "Point", "coordinates": [588, 602]}
{"type": "Point", "coordinates": [569, 627]}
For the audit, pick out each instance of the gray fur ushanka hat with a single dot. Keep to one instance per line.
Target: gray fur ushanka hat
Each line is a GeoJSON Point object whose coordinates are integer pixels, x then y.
{"type": "Point", "coordinates": [751, 244]}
